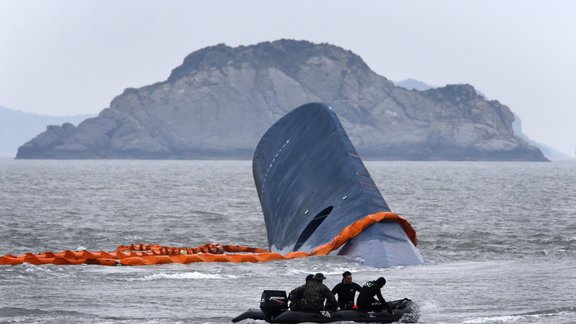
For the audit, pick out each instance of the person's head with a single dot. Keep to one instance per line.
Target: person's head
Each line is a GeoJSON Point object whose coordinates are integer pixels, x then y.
{"type": "Point", "coordinates": [319, 277]}
{"type": "Point", "coordinates": [347, 277]}
{"type": "Point", "coordinates": [309, 277]}
{"type": "Point", "coordinates": [381, 282]}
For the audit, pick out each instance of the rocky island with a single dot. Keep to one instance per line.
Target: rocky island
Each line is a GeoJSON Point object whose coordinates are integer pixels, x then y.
{"type": "Point", "coordinates": [220, 101]}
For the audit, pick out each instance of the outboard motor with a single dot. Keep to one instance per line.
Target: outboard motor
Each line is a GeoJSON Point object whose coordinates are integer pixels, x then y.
{"type": "Point", "coordinates": [273, 303]}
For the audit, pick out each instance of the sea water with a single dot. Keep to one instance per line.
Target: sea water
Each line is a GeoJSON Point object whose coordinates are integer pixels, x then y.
{"type": "Point", "coordinates": [499, 241]}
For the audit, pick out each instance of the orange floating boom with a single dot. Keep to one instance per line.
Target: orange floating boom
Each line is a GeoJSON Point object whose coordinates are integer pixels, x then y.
{"type": "Point", "coordinates": [150, 254]}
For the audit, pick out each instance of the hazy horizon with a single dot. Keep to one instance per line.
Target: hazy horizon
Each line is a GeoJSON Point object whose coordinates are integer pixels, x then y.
{"type": "Point", "coordinates": [69, 58]}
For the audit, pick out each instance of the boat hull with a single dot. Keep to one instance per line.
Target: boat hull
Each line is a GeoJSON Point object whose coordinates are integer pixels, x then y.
{"type": "Point", "coordinates": [312, 184]}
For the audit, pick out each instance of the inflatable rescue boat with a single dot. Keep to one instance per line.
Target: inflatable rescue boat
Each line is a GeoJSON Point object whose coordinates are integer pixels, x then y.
{"type": "Point", "coordinates": [274, 309]}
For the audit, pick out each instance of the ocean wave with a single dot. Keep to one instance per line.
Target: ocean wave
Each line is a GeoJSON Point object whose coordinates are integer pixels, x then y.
{"type": "Point", "coordinates": [33, 315]}
{"type": "Point", "coordinates": [186, 275]}
{"type": "Point", "coordinates": [496, 319]}
{"type": "Point", "coordinates": [560, 315]}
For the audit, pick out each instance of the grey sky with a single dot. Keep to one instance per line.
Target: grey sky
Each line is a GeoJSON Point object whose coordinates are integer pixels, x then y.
{"type": "Point", "coordinates": [72, 57]}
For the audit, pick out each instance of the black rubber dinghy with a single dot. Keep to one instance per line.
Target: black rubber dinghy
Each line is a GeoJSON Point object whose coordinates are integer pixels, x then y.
{"type": "Point", "coordinates": [404, 311]}
{"type": "Point", "coordinates": [274, 309]}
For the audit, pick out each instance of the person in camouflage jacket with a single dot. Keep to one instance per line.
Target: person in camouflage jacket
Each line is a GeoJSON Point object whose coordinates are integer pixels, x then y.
{"type": "Point", "coordinates": [311, 296]}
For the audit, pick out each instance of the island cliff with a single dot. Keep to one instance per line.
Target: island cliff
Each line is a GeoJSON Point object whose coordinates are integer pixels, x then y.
{"type": "Point", "coordinates": [221, 100]}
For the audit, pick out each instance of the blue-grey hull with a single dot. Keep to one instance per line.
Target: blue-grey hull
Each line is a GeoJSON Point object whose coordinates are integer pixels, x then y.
{"type": "Point", "coordinates": [312, 184]}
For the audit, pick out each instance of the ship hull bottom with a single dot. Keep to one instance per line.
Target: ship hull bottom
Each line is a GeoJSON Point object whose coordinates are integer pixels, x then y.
{"type": "Point", "coordinates": [382, 245]}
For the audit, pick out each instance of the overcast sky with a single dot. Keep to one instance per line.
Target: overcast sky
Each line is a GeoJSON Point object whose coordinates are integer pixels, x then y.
{"type": "Point", "coordinates": [74, 57]}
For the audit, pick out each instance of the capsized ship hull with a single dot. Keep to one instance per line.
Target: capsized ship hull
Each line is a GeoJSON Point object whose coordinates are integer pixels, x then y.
{"type": "Point", "coordinates": [312, 184]}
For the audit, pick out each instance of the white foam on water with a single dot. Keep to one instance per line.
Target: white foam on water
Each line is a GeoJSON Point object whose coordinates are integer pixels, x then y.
{"type": "Point", "coordinates": [555, 316]}
{"type": "Point", "coordinates": [29, 267]}
{"type": "Point", "coordinates": [186, 275]}
{"type": "Point", "coordinates": [429, 306]}
{"type": "Point", "coordinates": [497, 319]}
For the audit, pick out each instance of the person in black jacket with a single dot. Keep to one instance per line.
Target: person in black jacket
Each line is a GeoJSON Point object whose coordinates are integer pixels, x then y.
{"type": "Point", "coordinates": [366, 301]}
{"type": "Point", "coordinates": [346, 291]}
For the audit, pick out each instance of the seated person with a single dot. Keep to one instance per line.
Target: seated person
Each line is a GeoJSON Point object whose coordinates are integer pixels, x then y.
{"type": "Point", "coordinates": [366, 301]}
{"type": "Point", "coordinates": [296, 294]}
{"type": "Point", "coordinates": [310, 297]}
{"type": "Point", "coordinates": [346, 291]}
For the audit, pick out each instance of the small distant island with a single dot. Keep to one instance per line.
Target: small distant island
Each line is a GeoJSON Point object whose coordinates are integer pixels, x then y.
{"type": "Point", "coordinates": [221, 100]}
{"type": "Point", "coordinates": [17, 127]}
